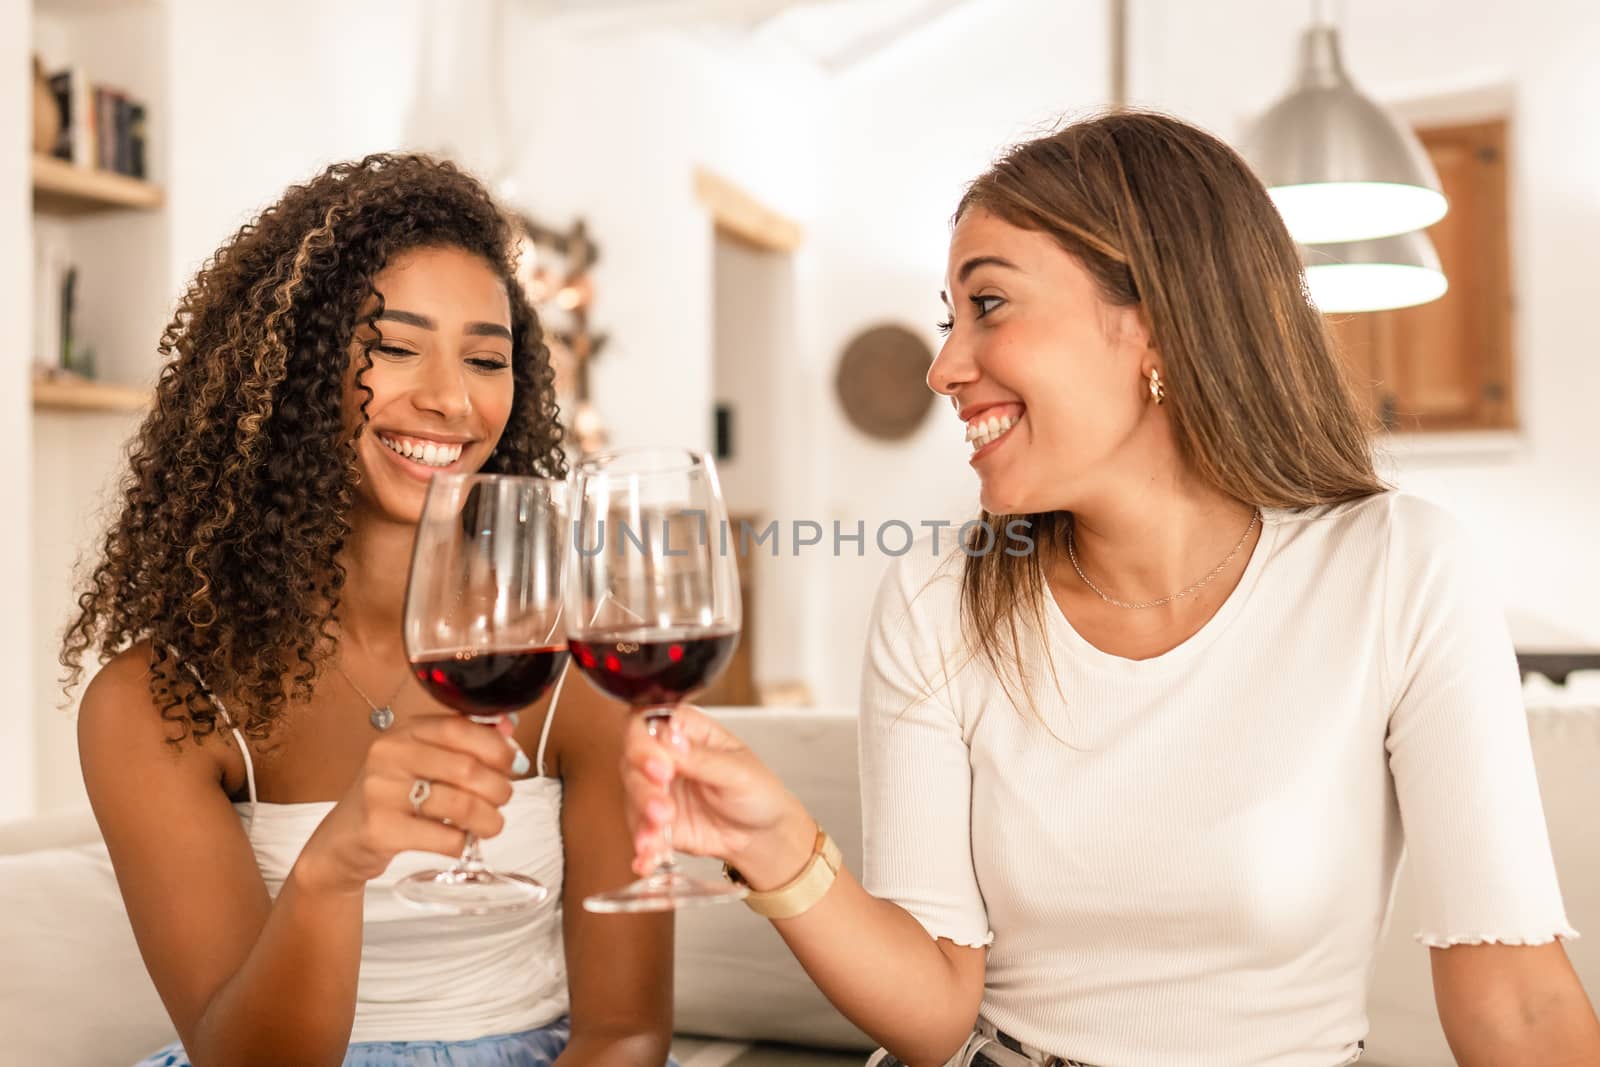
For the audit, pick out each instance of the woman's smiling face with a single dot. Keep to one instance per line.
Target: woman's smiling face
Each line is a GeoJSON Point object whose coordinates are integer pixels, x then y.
{"type": "Point", "coordinates": [440, 378]}
{"type": "Point", "coordinates": [1046, 376]}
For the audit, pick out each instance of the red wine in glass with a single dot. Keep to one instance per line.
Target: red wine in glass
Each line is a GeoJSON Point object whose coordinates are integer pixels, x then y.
{"type": "Point", "coordinates": [484, 635]}
{"type": "Point", "coordinates": [490, 684]}
{"type": "Point", "coordinates": [649, 666]}
{"type": "Point", "coordinates": [653, 613]}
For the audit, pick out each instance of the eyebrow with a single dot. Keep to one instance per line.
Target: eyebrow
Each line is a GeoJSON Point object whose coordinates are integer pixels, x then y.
{"type": "Point", "coordinates": [474, 329]}
{"type": "Point", "coordinates": [973, 264]}
{"type": "Point", "coordinates": [982, 261]}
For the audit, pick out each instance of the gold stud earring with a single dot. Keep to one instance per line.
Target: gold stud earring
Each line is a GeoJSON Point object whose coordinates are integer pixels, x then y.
{"type": "Point", "coordinates": [1158, 392]}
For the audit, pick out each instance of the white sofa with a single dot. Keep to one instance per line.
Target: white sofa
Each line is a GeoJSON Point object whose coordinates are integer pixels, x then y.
{"type": "Point", "coordinates": [74, 992]}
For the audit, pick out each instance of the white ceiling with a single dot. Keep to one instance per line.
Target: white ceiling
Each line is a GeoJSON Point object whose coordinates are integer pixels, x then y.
{"type": "Point", "coordinates": [835, 34]}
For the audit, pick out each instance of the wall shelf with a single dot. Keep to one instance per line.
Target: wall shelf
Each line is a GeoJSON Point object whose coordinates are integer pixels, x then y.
{"type": "Point", "coordinates": [60, 188]}
{"type": "Point", "coordinates": [52, 395]}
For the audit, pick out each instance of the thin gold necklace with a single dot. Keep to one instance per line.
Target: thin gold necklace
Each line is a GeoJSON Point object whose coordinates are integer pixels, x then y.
{"type": "Point", "coordinates": [381, 717]}
{"type": "Point", "coordinates": [1072, 553]}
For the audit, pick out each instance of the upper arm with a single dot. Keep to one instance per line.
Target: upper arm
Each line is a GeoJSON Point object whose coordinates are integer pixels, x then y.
{"type": "Point", "coordinates": [916, 769]}
{"type": "Point", "coordinates": [619, 967]}
{"type": "Point", "coordinates": [186, 870]}
{"type": "Point", "coordinates": [1459, 746]}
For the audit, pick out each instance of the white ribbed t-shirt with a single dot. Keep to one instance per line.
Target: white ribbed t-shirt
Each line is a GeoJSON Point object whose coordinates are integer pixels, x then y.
{"type": "Point", "coordinates": [1188, 860]}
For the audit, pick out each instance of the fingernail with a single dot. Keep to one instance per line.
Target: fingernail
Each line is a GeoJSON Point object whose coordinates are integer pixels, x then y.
{"type": "Point", "coordinates": [515, 717]}
{"type": "Point", "coordinates": [659, 769]}
{"type": "Point", "coordinates": [520, 765]}
{"type": "Point", "coordinates": [657, 810]}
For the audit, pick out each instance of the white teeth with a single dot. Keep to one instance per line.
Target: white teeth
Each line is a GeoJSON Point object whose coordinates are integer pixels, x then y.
{"type": "Point", "coordinates": [427, 453]}
{"type": "Point", "coordinates": [981, 432]}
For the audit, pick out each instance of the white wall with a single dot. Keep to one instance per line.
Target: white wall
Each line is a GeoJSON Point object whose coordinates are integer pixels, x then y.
{"type": "Point", "coordinates": [1535, 505]}
{"type": "Point", "coordinates": [260, 103]}
{"type": "Point", "coordinates": [77, 461]}
{"type": "Point", "coordinates": [16, 342]}
{"type": "Point", "coordinates": [905, 132]}
{"type": "Point", "coordinates": [610, 128]}
{"type": "Point", "coordinates": [120, 307]}
{"type": "Point", "coordinates": [618, 129]}
{"type": "Point", "coordinates": [755, 346]}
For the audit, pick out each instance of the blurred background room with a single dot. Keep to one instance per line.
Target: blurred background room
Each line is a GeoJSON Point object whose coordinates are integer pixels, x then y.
{"type": "Point", "coordinates": [737, 214]}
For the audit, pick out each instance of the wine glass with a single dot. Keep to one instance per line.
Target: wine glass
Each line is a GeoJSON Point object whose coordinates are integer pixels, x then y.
{"type": "Point", "coordinates": [483, 632]}
{"type": "Point", "coordinates": [653, 611]}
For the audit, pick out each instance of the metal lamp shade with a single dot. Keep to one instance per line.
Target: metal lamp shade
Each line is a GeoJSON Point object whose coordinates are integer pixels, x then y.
{"type": "Point", "coordinates": [1400, 270]}
{"type": "Point", "coordinates": [1339, 166]}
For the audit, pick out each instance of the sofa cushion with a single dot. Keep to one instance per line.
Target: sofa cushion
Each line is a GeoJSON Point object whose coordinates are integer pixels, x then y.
{"type": "Point", "coordinates": [734, 976]}
{"type": "Point", "coordinates": [61, 829]}
{"type": "Point", "coordinates": [73, 991]}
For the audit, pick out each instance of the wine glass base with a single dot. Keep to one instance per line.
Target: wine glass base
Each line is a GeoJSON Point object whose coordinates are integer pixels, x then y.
{"type": "Point", "coordinates": [470, 892]}
{"type": "Point", "coordinates": [664, 892]}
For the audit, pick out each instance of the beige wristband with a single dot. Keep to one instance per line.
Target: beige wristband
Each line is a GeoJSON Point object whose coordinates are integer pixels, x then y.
{"type": "Point", "coordinates": [797, 896]}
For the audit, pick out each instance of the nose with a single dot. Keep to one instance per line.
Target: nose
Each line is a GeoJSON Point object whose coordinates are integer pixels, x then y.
{"type": "Point", "coordinates": [441, 386]}
{"type": "Point", "coordinates": [953, 368]}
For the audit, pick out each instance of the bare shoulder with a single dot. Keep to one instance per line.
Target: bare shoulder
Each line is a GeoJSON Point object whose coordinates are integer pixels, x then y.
{"type": "Point", "coordinates": [118, 709]}
{"type": "Point", "coordinates": [122, 732]}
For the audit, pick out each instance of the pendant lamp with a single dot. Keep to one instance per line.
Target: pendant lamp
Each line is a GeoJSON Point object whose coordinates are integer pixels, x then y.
{"type": "Point", "coordinates": [1400, 270]}
{"type": "Point", "coordinates": [1339, 166]}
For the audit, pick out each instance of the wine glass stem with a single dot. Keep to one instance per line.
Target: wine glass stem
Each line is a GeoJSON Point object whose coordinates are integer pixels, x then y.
{"type": "Point", "coordinates": [658, 721]}
{"type": "Point", "coordinates": [471, 861]}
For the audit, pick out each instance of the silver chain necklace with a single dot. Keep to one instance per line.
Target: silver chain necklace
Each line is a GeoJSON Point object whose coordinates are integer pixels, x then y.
{"type": "Point", "coordinates": [381, 718]}
{"type": "Point", "coordinates": [1072, 553]}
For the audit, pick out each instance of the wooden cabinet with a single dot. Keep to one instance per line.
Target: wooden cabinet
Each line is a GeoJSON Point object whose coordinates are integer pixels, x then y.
{"type": "Point", "coordinates": [1448, 365]}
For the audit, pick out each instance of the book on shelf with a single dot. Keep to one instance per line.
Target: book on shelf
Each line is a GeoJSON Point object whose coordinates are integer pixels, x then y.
{"type": "Point", "coordinates": [102, 127]}
{"type": "Point", "coordinates": [50, 266]}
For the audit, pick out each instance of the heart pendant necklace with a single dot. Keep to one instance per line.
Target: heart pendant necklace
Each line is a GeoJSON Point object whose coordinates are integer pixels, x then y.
{"type": "Point", "coordinates": [380, 716]}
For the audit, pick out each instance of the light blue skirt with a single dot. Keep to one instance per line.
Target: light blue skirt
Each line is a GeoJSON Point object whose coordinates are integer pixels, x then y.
{"type": "Point", "coordinates": [531, 1048]}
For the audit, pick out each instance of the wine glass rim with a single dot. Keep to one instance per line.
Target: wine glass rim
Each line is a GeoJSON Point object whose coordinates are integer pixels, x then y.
{"type": "Point", "coordinates": [600, 462]}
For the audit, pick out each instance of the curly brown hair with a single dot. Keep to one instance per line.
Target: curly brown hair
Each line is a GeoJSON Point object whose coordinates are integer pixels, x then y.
{"type": "Point", "coordinates": [236, 503]}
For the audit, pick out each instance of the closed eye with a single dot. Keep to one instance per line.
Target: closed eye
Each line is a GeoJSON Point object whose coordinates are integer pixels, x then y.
{"type": "Point", "coordinates": [489, 363]}
{"type": "Point", "coordinates": [395, 350]}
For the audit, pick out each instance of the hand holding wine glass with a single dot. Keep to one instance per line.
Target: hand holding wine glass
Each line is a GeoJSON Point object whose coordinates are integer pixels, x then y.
{"type": "Point", "coordinates": [483, 632]}
{"type": "Point", "coordinates": [653, 611]}
{"type": "Point", "coordinates": [375, 820]}
{"type": "Point", "coordinates": [711, 796]}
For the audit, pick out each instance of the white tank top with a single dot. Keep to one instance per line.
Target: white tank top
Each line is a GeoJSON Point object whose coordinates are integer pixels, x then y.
{"type": "Point", "coordinates": [427, 977]}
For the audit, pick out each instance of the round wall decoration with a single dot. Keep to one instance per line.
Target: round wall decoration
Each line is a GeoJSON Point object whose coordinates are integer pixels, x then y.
{"type": "Point", "coordinates": [882, 382]}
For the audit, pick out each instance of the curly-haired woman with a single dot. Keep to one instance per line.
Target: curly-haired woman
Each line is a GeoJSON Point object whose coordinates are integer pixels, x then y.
{"type": "Point", "coordinates": [253, 789]}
